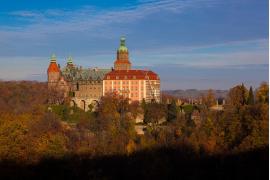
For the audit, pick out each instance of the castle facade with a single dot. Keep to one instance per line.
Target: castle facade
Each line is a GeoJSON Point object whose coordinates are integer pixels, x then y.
{"type": "Point", "coordinates": [85, 87]}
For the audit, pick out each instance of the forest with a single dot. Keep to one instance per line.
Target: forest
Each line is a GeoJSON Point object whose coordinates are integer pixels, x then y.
{"type": "Point", "coordinates": [42, 137]}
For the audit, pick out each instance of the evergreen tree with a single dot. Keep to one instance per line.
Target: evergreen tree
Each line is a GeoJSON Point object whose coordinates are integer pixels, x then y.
{"type": "Point", "coordinates": [172, 111]}
{"type": "Point", "coordinates": [143, 104]}
{"type": "Point", "coordinates": [250, 96]}
{"type": "Point", "coordinates": [243, 94]}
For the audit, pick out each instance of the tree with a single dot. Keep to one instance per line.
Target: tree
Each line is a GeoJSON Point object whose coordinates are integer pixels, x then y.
{"type": "Point", "coordinates": [209, 99]}
{"type": "Point", "coordinates": [237, 96]}
{"type": "Point", "coordinates": [262, 94]}
{"type": "Point", "coordinates": [56, 96]}
{"type": "Point", "coordinates": [143, 105]}
{"type": "Point", "coordinates": [172, 111]}
{"type": "Point", "coordinates": [14, 140]}
{"type": "Point", "coordinates": [154, 113]}
{"type": "Point", "coordinates": [250, 100]}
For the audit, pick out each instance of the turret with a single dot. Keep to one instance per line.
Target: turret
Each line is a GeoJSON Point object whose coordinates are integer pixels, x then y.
{"type": "Point", "coordinates": [53, 72]}
{"type": "Point", "coordinates": [122, 60]}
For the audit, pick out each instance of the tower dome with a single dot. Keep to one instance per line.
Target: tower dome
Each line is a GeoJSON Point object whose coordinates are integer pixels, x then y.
{"type": "Point", "coordinates": [123, 47]}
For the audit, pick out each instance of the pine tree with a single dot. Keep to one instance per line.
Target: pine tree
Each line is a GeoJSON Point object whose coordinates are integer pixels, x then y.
{"type": "Point", "coordinates": [143, 104]}
{"type": "Point", "coordinates": [250, 96]}
{"type": "Point", "coordinates": [172, 111]}
{"type": "Point", "coordinates": [243, 94]}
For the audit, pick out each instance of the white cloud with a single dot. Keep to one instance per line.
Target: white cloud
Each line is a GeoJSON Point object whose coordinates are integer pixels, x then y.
{"type": "Point", "coordinates": [89, 17]}
{"type": "Point", "coordinates": [223, 55]}
{"type": "Point", "coordinates": [44, 26]}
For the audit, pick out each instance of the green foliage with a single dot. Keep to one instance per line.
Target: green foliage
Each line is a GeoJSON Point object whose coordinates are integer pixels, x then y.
{"type": "Point", "coordinates": [70, 114]}
{"type": "Point", "coordinates": [172, 111]}
{"type": "Point", "coordinates": [154, 113]}
{"type": "Point", "coordinates": [188, 108]}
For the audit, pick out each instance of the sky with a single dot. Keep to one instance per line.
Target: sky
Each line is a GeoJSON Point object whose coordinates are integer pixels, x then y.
{"type": "Point", "coordinates": [191, 44]}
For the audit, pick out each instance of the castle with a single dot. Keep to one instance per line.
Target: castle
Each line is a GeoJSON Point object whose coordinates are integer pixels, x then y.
{"type": "Point", "coordinates": [85, 87]}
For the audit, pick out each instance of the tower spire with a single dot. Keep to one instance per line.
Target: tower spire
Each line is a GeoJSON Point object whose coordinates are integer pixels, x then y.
{"type": "Point", "coordinates": [122, 60]}
{"type": "Point", "coordinates": [53, 58]}
{"type": "Point", "coordinates": [69, 60]}
{"type": "Point", "coordinates": [122, 41]}
{"type": "Point", "coordinates": [53, 67]}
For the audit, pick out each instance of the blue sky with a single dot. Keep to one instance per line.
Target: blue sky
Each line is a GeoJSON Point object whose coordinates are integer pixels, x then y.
{"type": "Point", "coordinates": [190, 43]}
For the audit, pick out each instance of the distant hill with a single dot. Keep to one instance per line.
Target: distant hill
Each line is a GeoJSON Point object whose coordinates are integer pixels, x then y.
{"type": "Point", "coordinates": [194, 93]}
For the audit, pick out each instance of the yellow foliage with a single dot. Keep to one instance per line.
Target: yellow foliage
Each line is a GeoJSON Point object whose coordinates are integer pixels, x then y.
{"type": "Point", "coordinates": [131, 146]}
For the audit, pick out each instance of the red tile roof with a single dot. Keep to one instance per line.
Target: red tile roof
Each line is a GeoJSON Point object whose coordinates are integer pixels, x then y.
{"type": "Point", "coordinates": [53, 67]}
{"type": "Point", "coordinates": [130, 75]}
{"type": "Point", "coordinates": [122, 62]}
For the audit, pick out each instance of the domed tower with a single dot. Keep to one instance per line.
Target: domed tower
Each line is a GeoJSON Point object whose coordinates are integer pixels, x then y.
{"type": "Point", "coordinates": [122, 61]}
{"type": "Point", "coordinates": [53, 73]}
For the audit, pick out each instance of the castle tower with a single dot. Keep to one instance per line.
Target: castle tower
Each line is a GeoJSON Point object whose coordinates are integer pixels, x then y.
{"type": "Point", "coordinates": [122, 61]}
{"type": "Point", "coordinates": [53, 73]}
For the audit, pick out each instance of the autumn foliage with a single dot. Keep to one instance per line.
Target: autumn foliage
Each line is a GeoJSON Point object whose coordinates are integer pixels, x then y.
{"type": "Point", "coordinates": [32, 129]}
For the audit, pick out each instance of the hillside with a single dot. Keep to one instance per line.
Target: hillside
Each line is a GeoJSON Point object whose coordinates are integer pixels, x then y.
{"type": "Point", "coordinates": [194, 93]}
{"type": "Point", "coordinates": [39, 140]}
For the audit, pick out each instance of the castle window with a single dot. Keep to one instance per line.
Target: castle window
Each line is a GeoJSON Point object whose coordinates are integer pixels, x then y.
{"type": "Point", "coordinates": [77, 86]}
